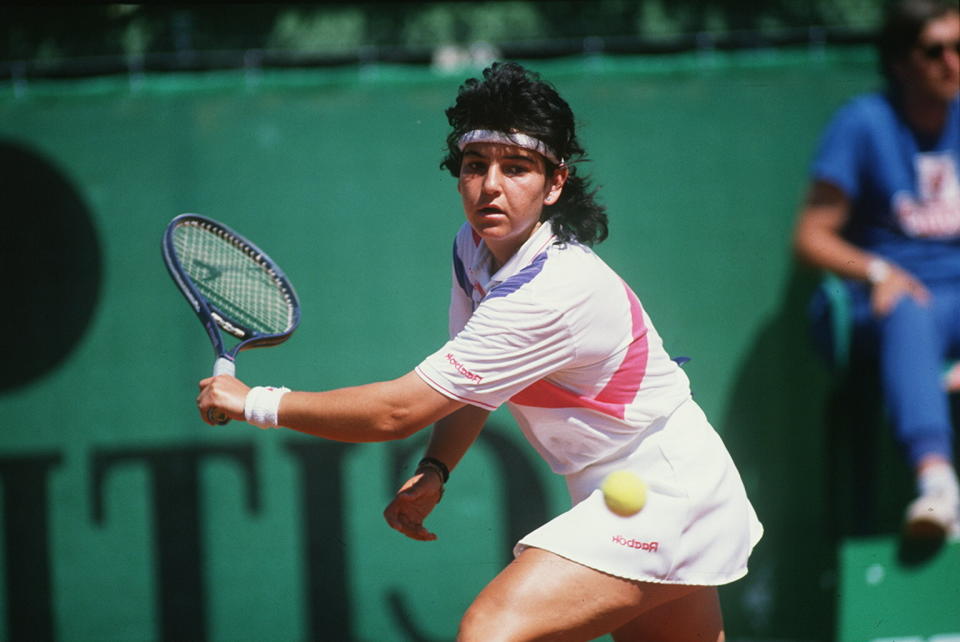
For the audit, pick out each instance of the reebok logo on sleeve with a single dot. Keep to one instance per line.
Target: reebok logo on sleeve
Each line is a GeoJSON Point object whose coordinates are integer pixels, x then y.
{"type": "Point", "coordinates": [459, 367]}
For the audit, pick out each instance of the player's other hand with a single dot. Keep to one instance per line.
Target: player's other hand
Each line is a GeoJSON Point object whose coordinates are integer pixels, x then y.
{"type": "Point", "coordinates": [224, 395]}
{"type": "Point", "coordinates": [412, 503]}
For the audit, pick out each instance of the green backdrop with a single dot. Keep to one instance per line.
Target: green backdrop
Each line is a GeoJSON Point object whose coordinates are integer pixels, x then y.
{"type": "Point", "coordinates": [127, 518]}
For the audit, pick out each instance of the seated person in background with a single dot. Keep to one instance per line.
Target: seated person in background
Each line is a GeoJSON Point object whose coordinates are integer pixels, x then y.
{"type": "Point", "coordinates": [883, 214]}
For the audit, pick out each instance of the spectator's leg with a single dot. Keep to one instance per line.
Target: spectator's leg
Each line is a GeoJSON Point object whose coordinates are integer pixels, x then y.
{"type": "Point", "coordinates": [913, 345]}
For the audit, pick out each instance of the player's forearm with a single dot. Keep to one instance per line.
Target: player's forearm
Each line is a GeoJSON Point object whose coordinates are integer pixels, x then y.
{"type": "Point", "coordinates": [349, 414]}
{"type": "Point", "coordinates": [374, 412]}
{"type": "Point", "coordinates": [453, 435]}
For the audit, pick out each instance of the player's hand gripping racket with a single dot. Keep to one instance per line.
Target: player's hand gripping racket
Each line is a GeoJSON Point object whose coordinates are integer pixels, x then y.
{"type": "Point", "coordinates": [233, 287]}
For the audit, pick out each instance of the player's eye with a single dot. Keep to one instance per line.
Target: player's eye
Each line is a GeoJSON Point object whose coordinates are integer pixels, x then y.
{"type": "Point", "coordinates": [474, 167]}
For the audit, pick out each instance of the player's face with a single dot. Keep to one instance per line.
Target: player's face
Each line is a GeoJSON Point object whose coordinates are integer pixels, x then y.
{"type": "Point", "coordinates": [504, 190]}
{"type": "Point", "coordinates": [933, 66]}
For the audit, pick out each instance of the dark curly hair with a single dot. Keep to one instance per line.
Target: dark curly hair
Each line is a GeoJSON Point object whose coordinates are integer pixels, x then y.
{"type": "Point", "coordinates": [513, 99]}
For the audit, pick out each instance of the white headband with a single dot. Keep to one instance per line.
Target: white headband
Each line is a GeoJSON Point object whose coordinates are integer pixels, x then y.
{"type": "Point", "coordinates": [504, 138]}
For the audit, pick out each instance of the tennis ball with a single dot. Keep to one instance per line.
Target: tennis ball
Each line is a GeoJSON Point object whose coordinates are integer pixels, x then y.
{"type": "Point", "coordinates": [624, 492]}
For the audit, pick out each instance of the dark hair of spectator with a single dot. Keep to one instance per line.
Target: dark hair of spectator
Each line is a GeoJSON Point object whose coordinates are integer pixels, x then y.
{"type": "Point", "coordinates": [903, 23]}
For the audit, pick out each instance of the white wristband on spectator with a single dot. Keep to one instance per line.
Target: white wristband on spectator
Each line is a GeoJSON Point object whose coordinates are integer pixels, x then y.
{"type": "Point", "coordinates": [262, 406]}
{"type": "Point", "coordinates": [877, 271]}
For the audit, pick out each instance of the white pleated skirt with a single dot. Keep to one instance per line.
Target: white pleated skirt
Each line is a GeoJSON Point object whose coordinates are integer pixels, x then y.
{"type": "Point", "coordinates": [697, 527]}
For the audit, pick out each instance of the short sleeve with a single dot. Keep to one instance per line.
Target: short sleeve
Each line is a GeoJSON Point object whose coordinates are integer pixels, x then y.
{"type": "Point", "coordinates": [838, 158]}
{"type": "Point", "coordinates": [508, 343]}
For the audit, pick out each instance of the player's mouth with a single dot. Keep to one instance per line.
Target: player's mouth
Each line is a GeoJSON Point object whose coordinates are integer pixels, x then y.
{"type": "Point", "coordinates": [489, 210]}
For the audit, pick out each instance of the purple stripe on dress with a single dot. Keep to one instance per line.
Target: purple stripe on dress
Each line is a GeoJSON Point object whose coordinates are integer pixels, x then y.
{"type": "Point", "coordinates": [461, 273]}
{"type": "Point", "coordinates": [520, 279]}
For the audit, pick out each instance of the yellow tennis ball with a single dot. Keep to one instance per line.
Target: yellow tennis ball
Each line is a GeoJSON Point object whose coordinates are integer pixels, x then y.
{"type": "Point", "coordinates": [624, 493]}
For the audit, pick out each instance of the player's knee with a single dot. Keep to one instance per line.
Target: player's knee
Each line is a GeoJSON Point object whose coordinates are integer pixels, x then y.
{"type": "Point", "coordinates": [472, 624]}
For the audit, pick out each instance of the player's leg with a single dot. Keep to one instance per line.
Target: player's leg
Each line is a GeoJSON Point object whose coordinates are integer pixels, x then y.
{"type": "Point", "coordinates": [694, 617]}
{"type": "Point", "coordinates": [542, 596]}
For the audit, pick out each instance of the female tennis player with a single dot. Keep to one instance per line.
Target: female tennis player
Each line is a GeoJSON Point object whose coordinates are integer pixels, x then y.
{"type": "Point", "coordinates": [538, 321]}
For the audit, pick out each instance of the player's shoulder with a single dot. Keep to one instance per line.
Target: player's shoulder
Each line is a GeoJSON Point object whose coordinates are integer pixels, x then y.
{"type": "Point", "coordinates": [466, 244]}
{"type": "Point", "coordinates": [573, 255]}
{"type": "Point", "coordinates": [466, 240]}
{"type": "Point", "coordinates": [569, 267]}
{"type": "Point", "coordinates": [467, 233]}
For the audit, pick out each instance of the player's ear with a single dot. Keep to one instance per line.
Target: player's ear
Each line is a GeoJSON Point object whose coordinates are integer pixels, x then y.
{"type": "Point", "coordinates": [555, 185]}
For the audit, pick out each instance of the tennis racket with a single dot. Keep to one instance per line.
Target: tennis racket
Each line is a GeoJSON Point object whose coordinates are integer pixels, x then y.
{"type": "Point", "coordinates": [234, 288]}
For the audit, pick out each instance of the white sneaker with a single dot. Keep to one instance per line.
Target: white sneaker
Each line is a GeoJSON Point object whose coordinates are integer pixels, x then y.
{"type": "Point", "coordinates": [933, 516]}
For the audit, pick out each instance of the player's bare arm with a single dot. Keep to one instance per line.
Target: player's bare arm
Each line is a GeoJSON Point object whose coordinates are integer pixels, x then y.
{"type": "Point", "coordinates": [453, 435]}
{"type": "Point", "coordinates": [382, 411]}
{"type": "Point", "coordinates": [451, 438]}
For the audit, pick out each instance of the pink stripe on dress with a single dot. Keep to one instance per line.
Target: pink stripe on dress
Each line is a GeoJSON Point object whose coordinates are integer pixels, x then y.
{"type": "Point", "coordinates": [619, 391]}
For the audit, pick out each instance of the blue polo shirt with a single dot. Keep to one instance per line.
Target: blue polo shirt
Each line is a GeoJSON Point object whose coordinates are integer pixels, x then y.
{"type": "Point", "coordinates": [903, 187]}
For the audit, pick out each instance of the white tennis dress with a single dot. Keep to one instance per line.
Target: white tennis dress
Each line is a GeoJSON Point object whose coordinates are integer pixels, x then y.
{"type": "Point", "coordinates": [564, 342]}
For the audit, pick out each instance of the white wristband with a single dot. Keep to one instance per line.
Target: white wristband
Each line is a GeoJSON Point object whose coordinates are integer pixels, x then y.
{"type": "Point", "coordinates": [877, 271]}
{"type": "Point", "coordinates": [262, 406]}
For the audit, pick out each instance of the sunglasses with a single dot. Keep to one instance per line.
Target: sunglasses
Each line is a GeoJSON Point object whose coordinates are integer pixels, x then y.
{"type": "Point", "coordinates": [935, 51]}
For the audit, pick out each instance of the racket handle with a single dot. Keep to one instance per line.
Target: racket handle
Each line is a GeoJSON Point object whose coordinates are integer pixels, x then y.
{"type": "Point", "coordinates": [223, 365]}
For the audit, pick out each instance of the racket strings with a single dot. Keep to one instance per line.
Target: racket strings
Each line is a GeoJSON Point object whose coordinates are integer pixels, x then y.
{"type": "Point", "coordinates": [234, 280]}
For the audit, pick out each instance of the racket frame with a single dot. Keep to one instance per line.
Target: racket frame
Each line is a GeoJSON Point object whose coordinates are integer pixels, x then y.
{"type": "Point", "coordinates": [213, 319]}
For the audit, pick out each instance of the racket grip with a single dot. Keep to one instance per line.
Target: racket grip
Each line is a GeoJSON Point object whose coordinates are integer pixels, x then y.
{"type": "Point", "coordinates": [223, 365]}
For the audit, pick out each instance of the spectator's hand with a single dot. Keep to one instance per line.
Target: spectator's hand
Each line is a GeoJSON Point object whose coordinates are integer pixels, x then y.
{"type": "Point", "coordinates": [898, 284]}
{"type": "Point", "coordinates": [413, 503]}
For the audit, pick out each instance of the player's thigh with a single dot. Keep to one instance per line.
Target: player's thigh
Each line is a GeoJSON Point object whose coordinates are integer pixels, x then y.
{"type": "Point", "coordinates": [542, 596]}
{"type": "Point", "coordinates": [695, 617]}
